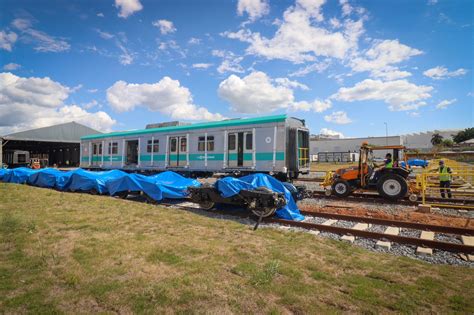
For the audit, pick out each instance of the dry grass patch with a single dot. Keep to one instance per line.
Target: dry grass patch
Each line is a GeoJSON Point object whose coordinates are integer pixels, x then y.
{"type": "Point", "coordinates": [65, 252]}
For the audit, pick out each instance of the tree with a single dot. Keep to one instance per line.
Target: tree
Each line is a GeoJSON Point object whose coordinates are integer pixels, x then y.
{"type": "Point", "coordinates": [447, 143]}
{"type": "Point", "coordinates": [436, 139]}
{"type": "Point", "coordinates": [463, 135]}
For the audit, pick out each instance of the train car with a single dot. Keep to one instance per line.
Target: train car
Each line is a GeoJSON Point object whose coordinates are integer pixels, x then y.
{"type": "Point", "coordinates": [277, 145]}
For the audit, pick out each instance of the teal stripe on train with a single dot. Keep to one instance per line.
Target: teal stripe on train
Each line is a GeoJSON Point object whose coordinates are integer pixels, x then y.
{"type": "Point", "coordinates": [260, 156]}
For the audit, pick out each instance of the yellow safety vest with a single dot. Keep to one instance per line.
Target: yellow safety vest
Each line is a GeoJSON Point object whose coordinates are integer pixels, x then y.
{"type": "Point", "coordinates": [389, 165]}
{"type": "Point", "coordinates": [444, 175]}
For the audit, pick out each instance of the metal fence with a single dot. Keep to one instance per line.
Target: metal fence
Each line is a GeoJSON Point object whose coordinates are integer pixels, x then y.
{"type": "Point", "coordinates": [460, 192]}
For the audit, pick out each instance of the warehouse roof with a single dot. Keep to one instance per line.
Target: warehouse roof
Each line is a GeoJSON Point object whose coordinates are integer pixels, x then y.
{"type": "Point", "coordinates": [213, 124]}
{"type": "Point", "coordinates": [68, 132]}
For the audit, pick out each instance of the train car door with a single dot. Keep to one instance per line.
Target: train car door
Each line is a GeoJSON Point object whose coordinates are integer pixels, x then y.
{"type": "Point", "coordinates": [240, 149]}
{"type": "Point", "coordinates": [132, 152]}
{"type": "Point", "coordinates": [96, 153]}
{"type": "Point", "coordinates": [177, 151]}
{"type": "Point", "coordinates": [247, 149]}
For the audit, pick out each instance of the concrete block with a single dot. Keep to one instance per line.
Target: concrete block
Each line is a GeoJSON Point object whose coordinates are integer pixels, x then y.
{"type": "Point", "coordinates": [424, 251]}
{"type": "Point", "coordinates": [314, 232]}
{"type": "Point", "coordinates": [361, 226]}
{"type": "Point", "coordinates": [348, 238]}
{"type": "Point", "coordinates": [391, 230]}
{"type": "Point", "coordinates": [424, 208]}
{"type": "Point", "coordinates": [329, 222]}
{"type": "Point", "coordinates": [427, 235]}
{"type": "Point", "coordinates": [384, 244]}
{"type": "Point", "coordinates": [467, 240]}
{"type": "Point", "coordinates": [467, 257]}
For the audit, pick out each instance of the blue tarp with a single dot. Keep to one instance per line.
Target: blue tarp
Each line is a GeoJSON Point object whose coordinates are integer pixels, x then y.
{"type": "Point", "coordinates": [82, 180]}
{"type": "Point", "coordinates": [158, 187]}
{"type": "Point", "coordinates": [18, 175]}
{"type": "Point", "coordinates": [46, 178]}
{"type": "Point", "coordinates": [415, 162]}
{"type": "Point", "coordinates": [3, 173]}
{"type": "Point", "coordinates": [230, 186]}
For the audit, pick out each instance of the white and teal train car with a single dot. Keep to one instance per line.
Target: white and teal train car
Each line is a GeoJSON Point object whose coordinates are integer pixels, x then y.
{"type": "Point", "coordinates": [277, 145]}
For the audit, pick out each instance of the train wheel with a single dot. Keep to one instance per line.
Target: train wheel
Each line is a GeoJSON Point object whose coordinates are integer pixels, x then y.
{"type": "Point", "coordinates": [207, 205]}
{"type": "Point", "coordinates": [341, 188]}
{"type": "Point", "coordinates": [264, 212]}
{"type": "Point", "coordinates": [392, 186]}
{"type": "Point", "coordinates": [413, 197]}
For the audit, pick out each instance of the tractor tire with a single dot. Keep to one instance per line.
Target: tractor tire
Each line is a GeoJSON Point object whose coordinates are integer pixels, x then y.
{"type": "Point", "coordinates": [341, 188]}
{"type": "Point", "coordinates": [392, 186]}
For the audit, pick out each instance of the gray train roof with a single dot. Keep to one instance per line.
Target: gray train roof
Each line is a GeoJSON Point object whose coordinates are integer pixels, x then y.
{"type": "Point", "coordinates": [213, 124]}
{"type": "Point", "coordinates": [68, 132]}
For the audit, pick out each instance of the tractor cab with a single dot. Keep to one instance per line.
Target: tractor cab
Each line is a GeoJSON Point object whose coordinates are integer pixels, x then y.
{"type": "Point", "coordinates": [389, 180]}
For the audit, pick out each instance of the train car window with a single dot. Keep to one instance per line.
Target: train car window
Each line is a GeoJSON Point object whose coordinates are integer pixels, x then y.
{"type": "Point", "coordinates": [173, 145]}
{"type": "Point", "coordinates": [156, 145]}
{"type": "Point", "coordinates": [248, 141]}
{"type": "Point", "coordinates": [183, 145]}
{"type": "Point", "coordinates": [94, 149]}
{"type": "Point", "coordinates": [232, 142]}
{"type": "Point", "coordinates": [114, 147]}
{"type": "Point", "coordinates": [100, 148]}
{"type": "Point", "coordinates": [210, 143]}
{"type": "Point", "coordinates": [201, 143]}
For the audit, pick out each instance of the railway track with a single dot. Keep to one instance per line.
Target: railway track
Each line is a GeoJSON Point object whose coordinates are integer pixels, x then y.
{"type": "Point", "coordinates": [425, 244]}
{"type": "Point", "coordinates": [374, 198]}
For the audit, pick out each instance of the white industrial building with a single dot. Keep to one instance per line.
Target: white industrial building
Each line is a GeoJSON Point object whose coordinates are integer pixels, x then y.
{"type": "Point", "coordinates": [336, 149]}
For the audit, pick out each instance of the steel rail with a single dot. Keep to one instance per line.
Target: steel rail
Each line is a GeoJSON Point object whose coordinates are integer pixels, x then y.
{"type": "Point", "coordinates": [396, 223]}
{"type": "Point", "coordinates": [450, 247]}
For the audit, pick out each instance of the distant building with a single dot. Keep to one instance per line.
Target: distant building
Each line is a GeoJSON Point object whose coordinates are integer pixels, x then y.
{"type": "Point", "coordinates": [349, 145]}
{"type": "Point", "coordinates": [58, 144]}
{"type": "Point", "coordinates": [422, 140]}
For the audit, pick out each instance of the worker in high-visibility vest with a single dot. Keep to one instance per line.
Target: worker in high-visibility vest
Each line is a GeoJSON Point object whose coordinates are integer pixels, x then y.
{"type": "Point", "coordinates": [387, 163]}
{"type": "Point", "coordinates": [444, 180]}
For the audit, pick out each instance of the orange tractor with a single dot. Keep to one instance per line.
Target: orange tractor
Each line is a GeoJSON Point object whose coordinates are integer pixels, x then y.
{"type": "Point", "coordinates": [391, 183]}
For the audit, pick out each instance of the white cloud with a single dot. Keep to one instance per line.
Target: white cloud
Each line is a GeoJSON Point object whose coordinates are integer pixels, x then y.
{"type": "Point", "coordinates": [346, 7]}
{"type": "Point", "coordinates": [11, 66]}
{"type": "Point", "coordinates": [291, 84]}
{"type": "Point", "coordinates": [194, 41]}
{"type": "Point", "coordinates": [230, 62]}
{"type": "Point", "coordinates": [105, 35]}
{"type": "Point", "coordinates": [299, 38]}
{"type": "Point", "coordinates": [100, 14]}
{"type": "Point", "coordinates": [128, 7]}
{"type": "Point", "coordinates": [165, 26]}
{"type": "Point", "coordinates": [400, 95]}
{"type": "Point", "coordinates": [27, 103]}
{"type": "Point", "coordinates": [90, 104]}
{"type": "Point", "coordinates": [258, 93]}
{"type": "Point", "coordinates": [339, 117]}
{"type": "Point", "coordinates": [92, 90]}
{"type": "Point", "coordinates": [315, 67]}
{"type": "Point", "coordinates": [380, 59]}
{"type": "Point", "coordinates": [254, 8]}
{"type": "Point", "coordinates": [201, 65]}
{"type": "Point", "coordinates": [7, 39]}
{"type": "Point", "coordinates": [445, 103]}
{"type": "Point", "coordinates": [440, 72]}
{"type": "Point", "coordinates": [332, 133]}
{"type": "Point", "coordinates": [42, 41]}
{"type": "Point", "coordinates": [432, 2]}
{"type": "Point", "coordinates": [166, 96]}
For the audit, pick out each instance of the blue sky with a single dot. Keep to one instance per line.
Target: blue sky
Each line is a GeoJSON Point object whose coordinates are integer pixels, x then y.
{"type": "Point", "coordinates": [344, 66]}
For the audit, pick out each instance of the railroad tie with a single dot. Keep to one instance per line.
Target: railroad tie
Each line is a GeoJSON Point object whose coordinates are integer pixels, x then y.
{"type": "Point", "coordinates": [359, 227]}
{"type": "Point", "coordinates": [467, 240]}
{"type": "Point", "coordinates": [391, 230]}
{"type": "Point", "coordinates": [425, 235]}
{"type": "Point", "coordinates": [327, 222]}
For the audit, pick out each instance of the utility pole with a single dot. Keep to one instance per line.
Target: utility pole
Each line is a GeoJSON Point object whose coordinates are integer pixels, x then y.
{"type": "Point", "coordinates": [1, 152]}
{"type": "Point", "coordinates": [386, 133]}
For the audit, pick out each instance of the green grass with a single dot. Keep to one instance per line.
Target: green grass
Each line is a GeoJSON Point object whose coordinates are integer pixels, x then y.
{"type": "Point", "coordinates": [69, 253]}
